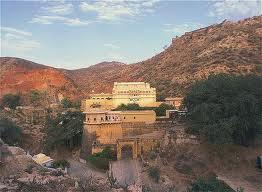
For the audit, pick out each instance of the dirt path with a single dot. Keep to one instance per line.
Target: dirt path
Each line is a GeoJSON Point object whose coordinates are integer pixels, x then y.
{"type": "Point", "coordinates": [127, 172]}
{"type": "Point", "coordinates": [82, 170]}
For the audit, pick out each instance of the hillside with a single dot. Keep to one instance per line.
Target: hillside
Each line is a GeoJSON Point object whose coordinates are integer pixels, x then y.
{"type": "Point", "coordinates": [97, 78]}
{"type": "Point", "coordinates": [228, 47]}
{"type": "Point", "coordinates": [19, 75]}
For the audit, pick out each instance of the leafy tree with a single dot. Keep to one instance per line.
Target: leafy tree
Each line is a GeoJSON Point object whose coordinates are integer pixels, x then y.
{"type": "Point", "coordinates": [9, 132]}
{"type": "Point", "coordinates": [160, 111]}
{"type": "Point", "coordinates": [210, 185]}
{"type": "Point", "coordinates": [35, 97]}
{"type": "Point", "coordinates": [11, 101]}
{"type": "Point", "coordinates": [101, 159]}
{"type": "Point", "coordinates": [128, 107]}
{"type": "Point", "coordinates": [66, 103]}
{"type": "Point", "coordinates": [66, 130]}
{"type": "Point", "coordinates": [226, 108]}
{"type": "Point", "coordinates": [154, 173]}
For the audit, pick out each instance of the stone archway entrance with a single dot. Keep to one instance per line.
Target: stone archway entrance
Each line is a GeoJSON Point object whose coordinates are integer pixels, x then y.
{"type": "Point", "coordinates": [127, 152]}
{"type": "Point", "coordinates": [128, 148]}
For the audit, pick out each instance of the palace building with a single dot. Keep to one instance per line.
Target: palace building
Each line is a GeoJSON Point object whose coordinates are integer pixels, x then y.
{"type": "Point", "coordinates": [129, 133]}
{"type": "Point", "coordinates": [123, 93]}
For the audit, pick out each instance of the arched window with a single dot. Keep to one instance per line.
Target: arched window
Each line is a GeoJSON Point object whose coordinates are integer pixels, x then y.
{"type": "Point", "coordinates": [134, 117]}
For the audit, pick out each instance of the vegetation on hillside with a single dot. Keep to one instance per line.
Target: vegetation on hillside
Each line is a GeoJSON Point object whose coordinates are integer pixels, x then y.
{"type": "Point", "coordinates": [66, 130]}
{"type": "Point", "coordinates": [67, 103]}
{"type": "Point", "coordinates": [9, 132]}
{"type": "Point", "coordinates": [11, 100]}
{"type": "Point", "coordinates": [209, 185]}
{"type": "Point", "coordinates": [160, 110]}
{"type": "Point", "coordinates": [101, 159]}
{"type": "Point", "coordinates": [35, 97]}
{"type": "Point", "coordinates": [154, 173]}
{"type": "Point", "coordinates": [226, 108]}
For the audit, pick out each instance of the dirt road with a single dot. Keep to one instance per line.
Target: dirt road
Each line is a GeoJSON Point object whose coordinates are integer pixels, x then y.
{"type": "Point", "coordinates": [82, 170]}
{"type": "Point", "coordinates": [127, 172]}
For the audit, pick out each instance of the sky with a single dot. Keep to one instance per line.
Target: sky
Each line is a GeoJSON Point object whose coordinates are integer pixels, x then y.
{"type": "Point", "coordinates": [77, 34]}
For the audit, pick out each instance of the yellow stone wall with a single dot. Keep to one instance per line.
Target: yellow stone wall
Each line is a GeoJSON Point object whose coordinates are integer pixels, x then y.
{"type": "Point", "coordinates": [133, 92]}
{"type": "Point", "coordinates": [106, 133]}
{"type": "Point", "coordinates": [123, 93]}
{"type": "Point", "coordinates": [138, 116]}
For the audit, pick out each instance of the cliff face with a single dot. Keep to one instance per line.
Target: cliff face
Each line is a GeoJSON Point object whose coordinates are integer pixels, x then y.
{"type": "Point", "coordinates": [228, 47]}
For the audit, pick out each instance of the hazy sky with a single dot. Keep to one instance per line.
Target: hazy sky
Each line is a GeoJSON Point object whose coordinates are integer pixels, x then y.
{"type": "Point", "coordinates": [76, 34]}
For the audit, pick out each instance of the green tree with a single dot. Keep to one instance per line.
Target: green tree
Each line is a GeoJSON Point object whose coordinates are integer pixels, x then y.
{"type": "Point", "coordinates": [154, 173]}
{"type": "Point", "coordinates": [101, 159]}
{"type": "Point", "coordinates": [226, 108]}
{"type": "Point", "coordinates": [11, 101]}
{"type": "Point", "coordinates": [9, 132]}
{"type": "Point", "coordinates": [66, 103]}
{"type": "Point", "coordinates": [208, 185]}
{"type": "Point", "coordinates": [35, 97]}
{"type": "Point", "coordinates": [161, 110]}
{"type": "Point", "coordinates": [128, 107]}
{"type": "Point", "coordinates": [66, 130]}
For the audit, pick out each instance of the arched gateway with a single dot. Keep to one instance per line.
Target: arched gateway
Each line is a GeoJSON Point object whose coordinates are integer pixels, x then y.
{"type": "Point", "coordinates": [128, 148]}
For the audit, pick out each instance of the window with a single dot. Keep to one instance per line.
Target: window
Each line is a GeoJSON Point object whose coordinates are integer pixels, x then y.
{"type": "Point", "coordinates": [102, 119]}
{"type": "Point", "coordinates": [134, 117]}
{"type": "Point", "coordinates": [124, 117]}
{"type": "Point", "coordinates": [87, 119]}
{"type": "Point", "coordinates": [94, 119]}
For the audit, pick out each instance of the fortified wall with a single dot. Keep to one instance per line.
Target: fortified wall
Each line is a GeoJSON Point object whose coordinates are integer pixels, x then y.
{"type": "Point", "coordinates": [137, 131]}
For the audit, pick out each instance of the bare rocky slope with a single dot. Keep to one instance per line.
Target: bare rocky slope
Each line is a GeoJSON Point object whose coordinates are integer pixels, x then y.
{"type": "Point", "coordinates": [19, 75]}
{"type": "Point", "coordinates": [228, 47]}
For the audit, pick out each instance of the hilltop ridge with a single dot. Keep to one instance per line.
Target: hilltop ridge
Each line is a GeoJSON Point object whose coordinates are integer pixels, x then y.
{"type": "Point", "coordinates": [228, 47]}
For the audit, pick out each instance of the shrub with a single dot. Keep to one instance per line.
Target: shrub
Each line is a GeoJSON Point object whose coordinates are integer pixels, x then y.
{"type": "Point", "coordinates": [29, 168]}
{"type": "Point", "coordinates": [160, 110]}
{"type": "Point", "coordinates": [154, 173]}
{"type": "Point", "coordinates": [101, 160]}
{"type": "Point", "coordinates": [209, 185]}
{"type": "Point", "coordinates": [61, 164]}
{"type": "Point", "coordinates": [35, 97]}
{"type": "Point", "coordinates": [11, 101]}
{"type": "Point", "coordinates": [9, 132]}
{"type": "Point", "coordinates": [66, 103]}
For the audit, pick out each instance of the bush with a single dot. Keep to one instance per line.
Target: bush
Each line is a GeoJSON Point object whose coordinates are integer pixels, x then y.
{"type": "Point", "coordinates": [9, 132]}
{"type": "Point", "coordinates": [29, 168]}
{"type": "Point", "coordinates": [66, 103]}
{"type": "Point", "coordinates": [160, 110]}
{"type": "Point", "coordinates": [11, 101]}
{"type": "Point", "coordinates": [226, 108]}
{"type": "Point", "coordinates": [35, 97]}
{"type": "Point", "coordinates": [209, 185]}
{"type": "Point", "coordinates": [101, 160]}
{"type": "Point", "coordinates": [61, 164]}
{"type": "Point", "coordinates": [154, 173]}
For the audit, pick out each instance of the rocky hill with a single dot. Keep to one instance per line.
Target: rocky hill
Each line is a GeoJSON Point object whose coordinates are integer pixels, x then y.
{"type": "Point", "coordinates": [19, 75]}
{"type": "Point", "coordinates": [98, 78]}
{"type": "Point", "coordinates": [228, 47]}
